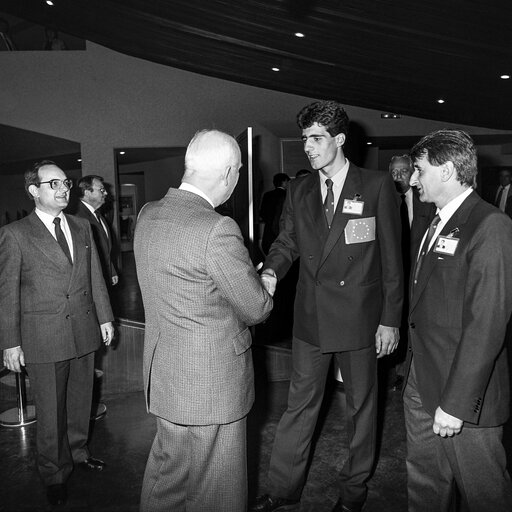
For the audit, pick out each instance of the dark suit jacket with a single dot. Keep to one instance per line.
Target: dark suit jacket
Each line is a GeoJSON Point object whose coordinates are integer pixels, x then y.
{"type": "Point", "coordinates": [459, 311]}
{"type": "Point", "coordinates": [50, 308]}
{"type": "Point", "coordinates": [344, 290]}
{"type": "Point", "coordinates": [103, 242]}
{"type": "Point", "coordinates": [200, 292]}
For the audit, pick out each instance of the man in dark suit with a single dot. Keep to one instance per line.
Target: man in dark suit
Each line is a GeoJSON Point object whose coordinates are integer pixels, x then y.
{"type": "Point", "coordinates": [503, 198]}
{"type": "Point", "coordinates": [270, 211]}
{"type": "Point", "coordinates": [55, 309]}
{"type": "Point", "coordinates": [200, 292]}
{"type": "Point", "coordinates": [457, 395]}
{"type": "Point", "coordinates": [343, 223]}
{"type": "Point", "coordinates": [92, 194]}
{"type": "Point", "coordinates": [415, 217]}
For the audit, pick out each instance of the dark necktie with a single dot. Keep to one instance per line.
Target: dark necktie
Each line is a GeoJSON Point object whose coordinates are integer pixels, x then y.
{"type": "Point", "coordinates": [498, 199]}
{"type": "Point", "coordinates": [98, 216]}
{"type": "Point", "coordinates": [329, 202]}
{"type": "Point", "coordinates": [424, 248]}
{"type": "Point", "coordinates": [62, 239]}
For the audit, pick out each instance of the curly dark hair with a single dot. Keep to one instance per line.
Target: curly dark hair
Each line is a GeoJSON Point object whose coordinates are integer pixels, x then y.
{"type": "Point", "coordinates": [455, 146]}
{"type": "Point", "coordinates": [329, 114]}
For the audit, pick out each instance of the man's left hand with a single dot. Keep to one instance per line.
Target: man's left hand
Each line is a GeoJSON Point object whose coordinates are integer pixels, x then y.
{"type": "Point", "coordinates": [107, 332]}
{"type": "Point", "coordinates": [446, 425]}
{"type": "Point", "coordinates": [115, 280]}
{"type": "Point", "coordinates": [386, 340]}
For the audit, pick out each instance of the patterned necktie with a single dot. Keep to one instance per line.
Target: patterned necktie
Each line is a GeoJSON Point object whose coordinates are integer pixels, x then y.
{"type": "Point", "coordinates": [61, 238]}
{"type": "Point", "coordinates": [424, 248]}
{"type": "Point", "coordinates": [329, 202]}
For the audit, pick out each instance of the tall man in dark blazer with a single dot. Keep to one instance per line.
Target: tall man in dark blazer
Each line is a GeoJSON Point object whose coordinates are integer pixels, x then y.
{"type": "Point", "coordinates": [55, 309]}
{"type": "Point", "coordinates": [415, 217]}
{"type": "Point", "coordinates": [343, 223]}
{"type": "Point", "coordinates": [200, 292]}
{"type": "Point", "coordinates": [457, 395]}
{"type": "Point", "coordinates": [92, 195]}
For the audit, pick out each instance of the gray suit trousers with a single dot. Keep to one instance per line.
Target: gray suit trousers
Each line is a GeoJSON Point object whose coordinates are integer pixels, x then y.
{"type": "Point", "coordinates": [196, 469]}
{"type": "Point", "coordinates": [473, 460]}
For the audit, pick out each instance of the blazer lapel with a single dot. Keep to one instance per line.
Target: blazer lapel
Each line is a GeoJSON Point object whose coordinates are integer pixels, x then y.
{"type": "Point", "coordinates": [457, 220]}
{"type": "Point", "coordinates": [353, 186]}
{"type": "Point", "coordinates": [79, 243]}
{"type": "Point", "coordinates": [313, 202]}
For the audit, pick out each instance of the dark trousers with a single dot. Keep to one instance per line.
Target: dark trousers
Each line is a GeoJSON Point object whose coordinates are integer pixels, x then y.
{"type": "Point", "coordinates": [62, 397]}
{"type": "Point", "coordinates": [473, 460]}
{"type": "Point", "coordinates": [196, 469]}
{"type": "Point", "coordinates": [292, 443]}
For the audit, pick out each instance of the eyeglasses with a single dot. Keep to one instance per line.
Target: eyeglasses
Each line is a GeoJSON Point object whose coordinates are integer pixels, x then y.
{"type": "Point", "coordinates": [56, 184]}
{"type": "Point", "coordinates": [102, 190]}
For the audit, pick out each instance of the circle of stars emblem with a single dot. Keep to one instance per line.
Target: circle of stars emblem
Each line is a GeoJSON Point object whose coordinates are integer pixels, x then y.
{"type": "Point", "coordinates": [360, 230]}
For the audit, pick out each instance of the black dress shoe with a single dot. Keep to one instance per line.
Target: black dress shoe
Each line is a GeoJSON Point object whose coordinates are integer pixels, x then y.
{"type": "Point", "coordinates": [57, 494]}
{"type": "Point", "coordinates": [267, 503]}
{"type": "Point", "coordinates": [340, 507]}
{"type": "Point", "coordinates": [92, 464]}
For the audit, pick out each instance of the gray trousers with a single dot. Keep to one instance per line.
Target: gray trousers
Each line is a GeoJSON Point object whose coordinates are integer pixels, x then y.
{"type": "Point", "coordinates": [473, 460]}
{"type": "Point", "coordinates": [196, 469]}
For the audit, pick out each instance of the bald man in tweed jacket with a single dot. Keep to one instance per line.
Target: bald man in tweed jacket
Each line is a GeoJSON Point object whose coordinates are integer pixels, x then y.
{"type": "Point", "coordinates": [200, 292]}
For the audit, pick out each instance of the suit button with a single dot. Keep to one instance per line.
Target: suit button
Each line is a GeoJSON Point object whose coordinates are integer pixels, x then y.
{"type": "Point", "coordinates": [67, 296]}
{"type": "Point", "coordinates": [350, 258]}
{"type": "Point", "coordinates": [342, 283]}
{"type": "Point", "coordinates": [310, 257]}
{"type": "Point", "coordinates": [318, 283]}
{"type": "Point", "coordinates": [410, 349]}
{"type": "Point", "coordinates": [85, 293]}
{"type": "Point", "coordinates": [67, 317]}
{"type": "Point", "coordinates": [412, 325]}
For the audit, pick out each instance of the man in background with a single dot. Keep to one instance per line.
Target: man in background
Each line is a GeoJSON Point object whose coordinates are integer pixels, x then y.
{"type": "Point", "coordinates": [458, 391]}
{"type": "Point", "coordinates": [55, 309]}
{"type": "Point", "coordinates": [92, 195]}
{"type": "Point", "coordinates": [200, 293]}
{"type": "Point", "coordinates": [415, 217]}
{"type": "Point", "coordinates": [270, 210]}
{"type": "Point", "coordinates": [343, 223]}
{"type": "Point", "coordinates": [503, 198]}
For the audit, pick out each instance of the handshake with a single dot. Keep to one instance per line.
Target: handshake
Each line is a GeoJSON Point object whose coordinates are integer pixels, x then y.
{"type": "Point", "coordinates": [269, 281]}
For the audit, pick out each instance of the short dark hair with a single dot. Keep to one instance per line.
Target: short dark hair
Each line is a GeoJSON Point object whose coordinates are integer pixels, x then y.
{"type": "Point", "coordinates": [454, 146]}
{"type": "Point", "coordinates": [329, 114]}
{"type": "Point", "coordinates": [280, 178]}
{"type": "Point", "coordinates": [86, 182]}
{"type": "Point", "coordinates": [32, 175]}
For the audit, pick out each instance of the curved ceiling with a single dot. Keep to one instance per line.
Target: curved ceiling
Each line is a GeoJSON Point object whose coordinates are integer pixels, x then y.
{"type": "Point", "coordinates": [397, 56]}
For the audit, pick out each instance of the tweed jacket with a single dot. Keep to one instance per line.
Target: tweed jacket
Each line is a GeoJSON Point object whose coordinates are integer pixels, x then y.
{"type": "Point", "coordinates": [50, 308]}
{"type": "Point", "coordinates": [200, 292]}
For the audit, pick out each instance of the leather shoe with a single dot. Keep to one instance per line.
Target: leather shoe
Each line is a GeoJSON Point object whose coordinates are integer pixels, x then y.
{"type": "Point", "coordinates": [92, 464]}
{"type": "Point", "coordinates": [57, 494]}
{"type": "Point", "coordinates": [267, 503]}
{"type": "Point", "coordinates": [340, 507]}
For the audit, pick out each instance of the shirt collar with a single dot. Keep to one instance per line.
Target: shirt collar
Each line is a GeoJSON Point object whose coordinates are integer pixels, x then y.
{"type": "Point", "coordinates": [449, 209]}
{"type": "Point", "coordinates": [88, 206]}
{"type": "Point", "coordinates": [191, 188]}
{"type": "Point", "coordinates": [339, 177]}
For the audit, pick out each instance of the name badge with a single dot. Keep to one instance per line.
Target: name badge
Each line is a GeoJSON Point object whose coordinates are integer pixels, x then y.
{"type": "Point", "coordinates": [446, 245]}
{"type": "Point", "coordinates": [358, 231]}
{"type": "Point", "coordinates": [353, 206]}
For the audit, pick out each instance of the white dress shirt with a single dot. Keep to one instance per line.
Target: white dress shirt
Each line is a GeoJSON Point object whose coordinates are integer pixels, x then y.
{"type": "Point", "coordinates": [47, 220]}
{"type": "Point", "coordinates": [338, 180]}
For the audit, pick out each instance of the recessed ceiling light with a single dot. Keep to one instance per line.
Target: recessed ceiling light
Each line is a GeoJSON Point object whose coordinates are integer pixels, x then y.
{"type": "Point", "coordinates": [122, 152]}
{"type": "Point", "coordinates": [389, 115]}
{"type": "Point", "coordinates": [369, 143]}
{"type": "Point", "coordinates": [440, 100]}
{"type": "Point", "coordinates": [299, 34]}
{"type": "Point", "coordinates": [505, 77]}
{"type": "Point", "coordinates": [78, 159]}
{"type": "Point", "coordinates": [49, 2]}
{"type": "Point", "coordinates": [275, 69]}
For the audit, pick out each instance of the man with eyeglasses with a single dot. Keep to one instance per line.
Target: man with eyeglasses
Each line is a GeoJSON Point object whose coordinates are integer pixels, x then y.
{"type": "Point", "coordinates": [55, 308]}
{"type": "Point", "coordinates": [92, 194]}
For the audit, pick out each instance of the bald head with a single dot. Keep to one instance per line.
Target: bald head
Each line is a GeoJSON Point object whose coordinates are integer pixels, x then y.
{"type": "Point", "coordinates": [212, 163]}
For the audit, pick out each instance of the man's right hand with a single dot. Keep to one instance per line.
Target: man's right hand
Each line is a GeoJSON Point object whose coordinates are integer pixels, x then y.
{"type": "Point", "coordinates": [269, 281]}
{"type": "Point", "coordinates": [14, 359]}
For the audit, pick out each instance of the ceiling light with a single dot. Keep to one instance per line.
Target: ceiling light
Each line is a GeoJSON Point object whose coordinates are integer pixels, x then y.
{"type": "Point", "coordinates": [369, 143]}
{"type": "Point", "coordinates": [299, 34]}
{"type": "Point", "coordinates": [389, 115]}
{"type": "Point", "coordinates": [440, 100]}
{"type": "Point", "coordinates": [78, 159]}
{"type": "Point", "coordinates": [275, 69]}
{"type": "Point", "coordinates": [49, 2]}
{"type": "Point", "coordinates": [122, 152]}
{"type": "Point", "coordinates": [505, 77]}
